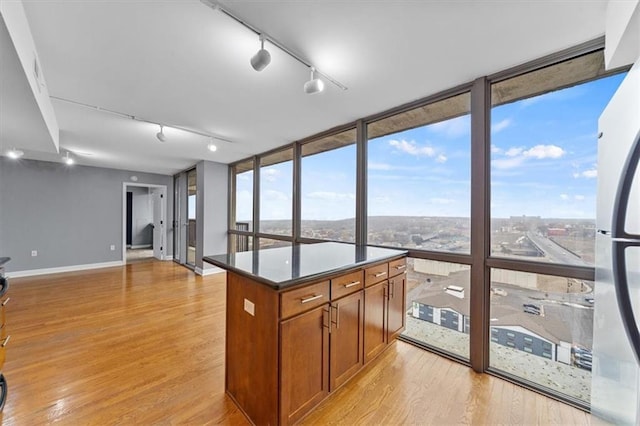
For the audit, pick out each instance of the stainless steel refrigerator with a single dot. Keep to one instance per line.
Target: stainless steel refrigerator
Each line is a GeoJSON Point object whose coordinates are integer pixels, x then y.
{"type": "Point", "coordinates": [615, 391]}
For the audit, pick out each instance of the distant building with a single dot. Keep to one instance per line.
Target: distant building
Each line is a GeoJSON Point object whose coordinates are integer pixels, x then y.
{"type": "Point", "coordinates": [557, 232]}
{"type": "Point", "coordinates": [445, 303]}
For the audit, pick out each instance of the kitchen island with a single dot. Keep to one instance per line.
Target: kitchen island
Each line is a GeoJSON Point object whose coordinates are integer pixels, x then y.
{"type": "Point", "coordinates": [304, 319]}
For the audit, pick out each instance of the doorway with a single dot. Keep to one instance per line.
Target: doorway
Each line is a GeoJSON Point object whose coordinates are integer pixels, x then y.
{"type": "Point", "coordinates": [185, 215]}
{"type": "Point", "coordinates": [143, 222]}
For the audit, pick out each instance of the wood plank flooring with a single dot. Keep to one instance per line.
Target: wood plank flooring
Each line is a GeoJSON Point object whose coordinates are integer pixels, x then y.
{"type": "Point", "coordinates": [144, 344]}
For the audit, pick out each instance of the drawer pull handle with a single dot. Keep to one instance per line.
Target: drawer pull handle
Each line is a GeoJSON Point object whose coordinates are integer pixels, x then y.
{"type": "Point", "coordinates": [351, 284]}
{"type": "Point", "coordinates": [5, 341]}
{"type": "Point", "coordinates": [401, 267]}
{"type": "Point", "coordinates": [310, 298]}
{"type": "Point", "coordinates": [380, 274]}
{"type": "Point", "coordinates": [5, 301]}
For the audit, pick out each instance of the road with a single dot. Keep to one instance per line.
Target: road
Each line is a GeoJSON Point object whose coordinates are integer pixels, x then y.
{"type": "Point", "coordinates": [554, 252]}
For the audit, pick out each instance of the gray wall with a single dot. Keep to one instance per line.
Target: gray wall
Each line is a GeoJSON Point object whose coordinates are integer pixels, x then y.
{"type": "Point", "coordinates": [211, 211]}
{"type": "Point", "coordinates": [142, 220]}
{"type": "Point", "coordinates": [70, 215]}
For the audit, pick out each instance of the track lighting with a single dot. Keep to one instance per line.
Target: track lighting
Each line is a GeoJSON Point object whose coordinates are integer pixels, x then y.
{"type": "Point", "coordinates": [68, 160]}
{"type": "Point", "coordinates": [314, 85]}
{"type": "Point", "coordinates": [262, 58]}
{"type": "Point", "coordinates": [212, 147]}
{"type": "Point", "coordinates": [14, 153]}
{"type": "Point", "coordinates": [160, 135]}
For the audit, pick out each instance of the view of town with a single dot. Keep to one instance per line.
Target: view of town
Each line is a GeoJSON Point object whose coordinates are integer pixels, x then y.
{"type": "Point", "coordinates": [540, 324]}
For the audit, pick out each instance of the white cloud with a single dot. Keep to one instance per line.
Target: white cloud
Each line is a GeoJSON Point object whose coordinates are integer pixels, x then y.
{"type": "Point", "coordinates": [587, 174]}
{"type": "Point", "coordinates": [410, 147]}
{"type": "Point", "coordinates": [514, 151]}
{"type": "Point", "coordinates": [246, 176]}
{"type": "Point", "coordinates": [441, 158]}
{"type": "Point", "coordinates": [500, 125]}
{"type": "Point", "coordinates": [331, 196]}
{"type": "Point", "coordinates": [544, 151]}
{"type": "Point", "coordinates": [270, 174]}
{"type": "Point", "coordinates": [496, 150]}
{"type": "Point", "coordinates": [579, 197]}
{"type": "Point", "coordinates": [564, 196]}
{"type": "Point", "coordinates": [453, 128]}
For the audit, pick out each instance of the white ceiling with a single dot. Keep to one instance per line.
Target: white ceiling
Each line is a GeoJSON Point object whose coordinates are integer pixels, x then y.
{"type": "Point", "coordinates": [182, 63]}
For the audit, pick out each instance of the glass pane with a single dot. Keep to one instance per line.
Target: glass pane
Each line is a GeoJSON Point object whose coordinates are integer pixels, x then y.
{"type": "Point", "coordinates": [543, 168]}
{"type": "Point", "coordinates": [329, 188]}
{"type": "Point", "coordinates": [438, 304]}
{"type": "Point", "coordinates": [241, 243]}
{"type": "Point", "coordinates": [191, 216]}
{"type": "Point", "coordinates": [265, 243]}
{"type": "Point", "coordinates": [243, 174]}
{"type": "Point", "coordinates": [419, 177]}
{"type": "Point", "coordinates": [276, 192]}
{"type": "Point", "coordinates": [541, 330]}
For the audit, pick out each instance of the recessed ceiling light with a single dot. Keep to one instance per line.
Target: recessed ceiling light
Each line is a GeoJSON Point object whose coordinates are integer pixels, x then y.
{"type": "Point", "coordinates": [212, 147]}
{"type": "Point", "coordinates": [68, 160]}
{"type": "Point", "coordinates": [15, 153]}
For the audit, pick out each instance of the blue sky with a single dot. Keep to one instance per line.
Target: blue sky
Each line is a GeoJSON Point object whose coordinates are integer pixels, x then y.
{"type": "Point", "coordinates": [543, 163]}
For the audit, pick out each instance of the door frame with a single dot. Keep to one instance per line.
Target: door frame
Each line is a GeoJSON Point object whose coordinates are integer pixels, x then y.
{"type": "Point", "coordinates": [163, 214]}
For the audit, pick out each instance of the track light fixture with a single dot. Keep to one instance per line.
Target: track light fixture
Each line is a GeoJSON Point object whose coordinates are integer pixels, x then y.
{"type": "Point", "coordinates": [314, 85]}
{"type": "Point", "coordinates": [14, 153]}
{"type": "Point", "coordinates": [262, 58]}
{"type": "Point", "coordinates": [68, 160]}
{"type": "Point", "coordinates": [160, 135]}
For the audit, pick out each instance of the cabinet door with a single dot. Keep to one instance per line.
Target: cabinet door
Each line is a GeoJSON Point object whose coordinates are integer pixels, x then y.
{"type": "Point", "coordinates": [396, 312]}
{"type": "Point", "coordinates": [304, 363]}
{"type": "Point", "coordinates": [375, 319]}
{"type": "Point", "coordinates": [347, 327]}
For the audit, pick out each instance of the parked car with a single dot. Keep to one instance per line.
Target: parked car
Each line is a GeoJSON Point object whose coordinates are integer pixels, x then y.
{"type": "Point", "coordinates": [530, 308]}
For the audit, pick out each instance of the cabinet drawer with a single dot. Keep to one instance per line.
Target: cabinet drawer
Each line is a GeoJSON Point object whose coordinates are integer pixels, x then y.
{"type": "Point", "coordinates": [396, 267]}
{"type": "Point", "coordinates": [376, 274]}
{"type": "Point", "coordinates": [346, 284]}
{"type": "Point", "coordinates": [304, 298]}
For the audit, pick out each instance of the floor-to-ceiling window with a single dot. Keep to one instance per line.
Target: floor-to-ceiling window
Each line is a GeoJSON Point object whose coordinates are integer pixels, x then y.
{"type": "Point", "coordinates": [419, 183]}
{"type": "Point", "coordinates": [328, 187]}
{"type": "Point", "coordinates": [192, 194]}
{"type": "Point", "coordinates": [276, 197]}
{"type": "Point", "coordinates": [544, 133]}
{"type": "Point", "coordinates": [524, 276]}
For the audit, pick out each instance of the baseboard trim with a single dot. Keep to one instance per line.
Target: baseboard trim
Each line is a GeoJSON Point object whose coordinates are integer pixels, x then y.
{"type": "Point", "coordinates": [140, 246]}
{"type": "Point", "coordinates": [208, 271]}
{"type": "Point", "coordinates": [71, 268]}
{"type": "Point", "coordinates": [168, 257]}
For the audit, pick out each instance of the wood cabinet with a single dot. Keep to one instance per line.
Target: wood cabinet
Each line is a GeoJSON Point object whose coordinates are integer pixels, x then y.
{"type": "Point", "coordinates": [385, 306]}
{"type": "Point", "coordinates": [288, 349]}
{"type": "Point", "coordinates": [304, 363]}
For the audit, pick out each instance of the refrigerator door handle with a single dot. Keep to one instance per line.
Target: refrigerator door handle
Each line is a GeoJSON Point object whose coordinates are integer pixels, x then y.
{"type": "Point", "coordinates": [623, 193]}
{"type": "Point", "coordinates": [621, 241]}
{"type": "Point", "coordinates": [623, 295]}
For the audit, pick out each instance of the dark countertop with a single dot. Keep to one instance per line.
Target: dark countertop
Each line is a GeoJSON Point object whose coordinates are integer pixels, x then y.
{"type": "Point", "coordinates": [285, 267]}
{"type": "Point", "coordinates": [4, 260]}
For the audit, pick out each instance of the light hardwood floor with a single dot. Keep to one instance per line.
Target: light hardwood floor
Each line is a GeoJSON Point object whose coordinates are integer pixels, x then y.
{"type": "Point", "coordinates": [144, 344]}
